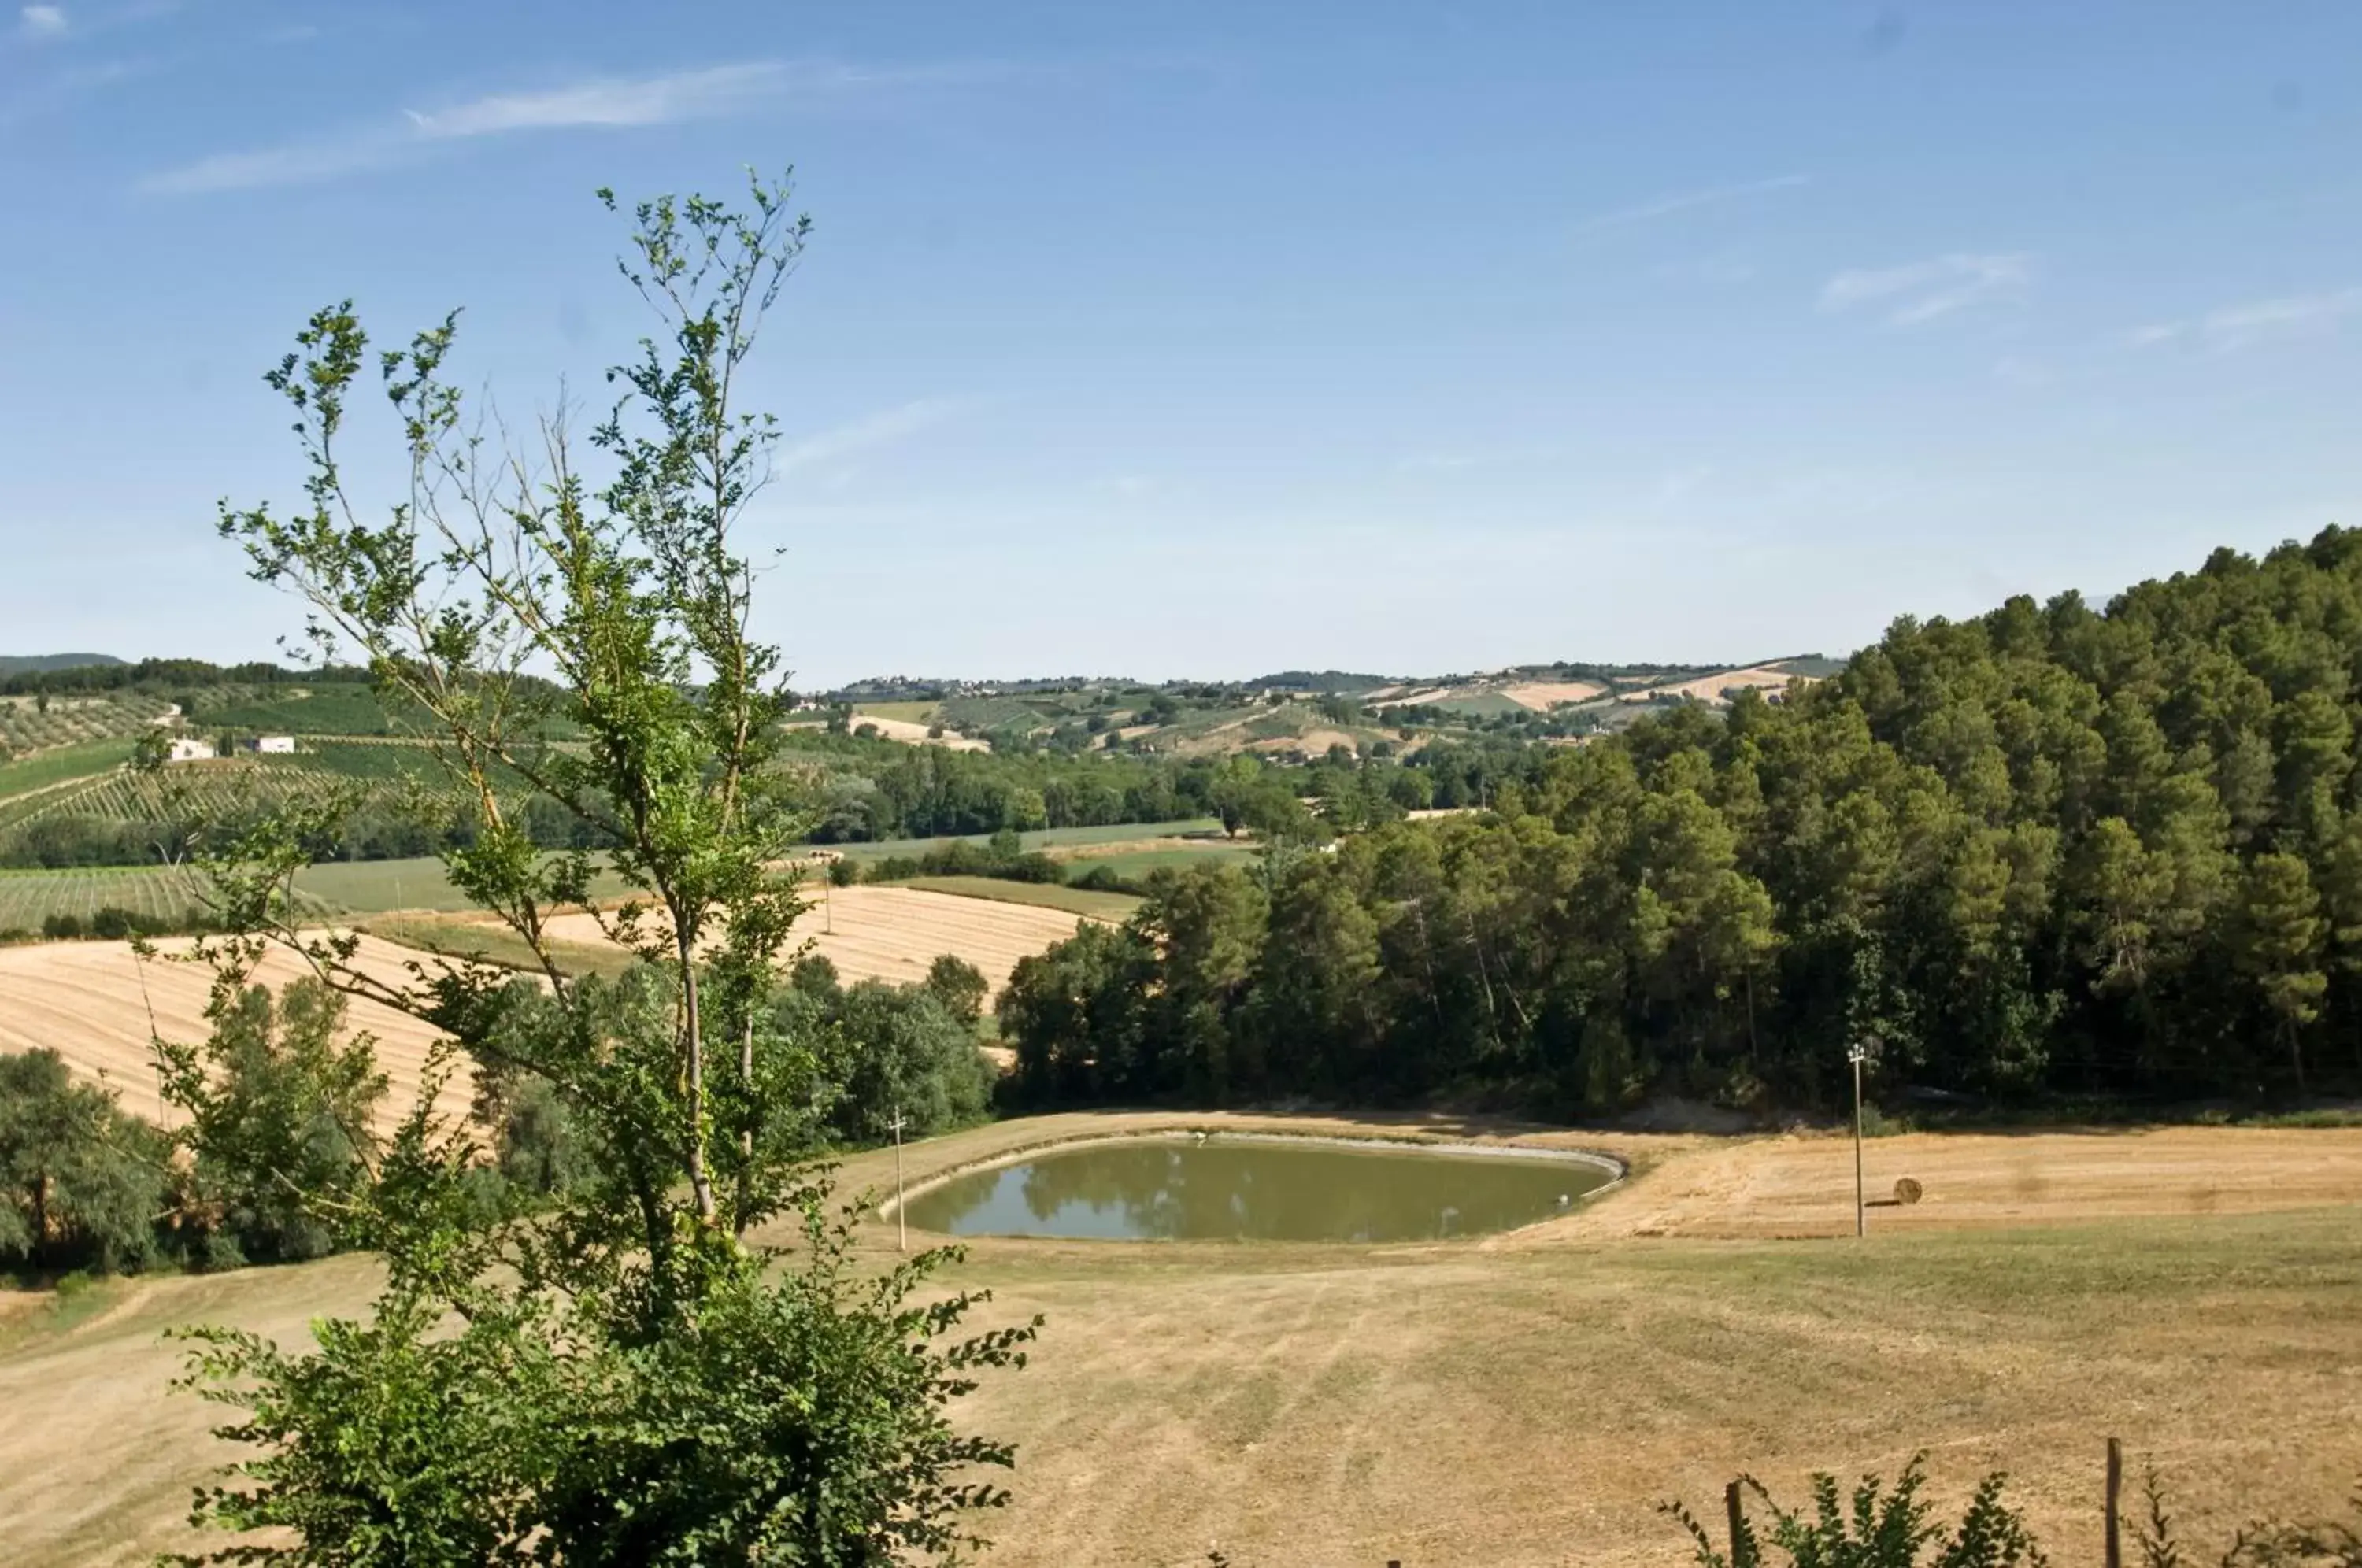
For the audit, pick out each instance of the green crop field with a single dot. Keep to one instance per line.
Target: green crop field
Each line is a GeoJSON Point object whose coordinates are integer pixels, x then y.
{"type": "Point", "coordinates": [980, 714]}
{"type": "Point", "coordinates": [157, 892]}
{"type": "Point", "coordinates": [1045, 839]}
{"type": "Point", "coordinates": [334, 709]}
{"type": "Point", "coordinates": [43, 770]}
{"type": "Point", "coordinates": [369, 887]}
{"type": "Point", "coordinates": [69, 721]}
{"type": "Point", "coordinates": [1136, 863]}
{"type": "Point", "coordinates": [909, 712]}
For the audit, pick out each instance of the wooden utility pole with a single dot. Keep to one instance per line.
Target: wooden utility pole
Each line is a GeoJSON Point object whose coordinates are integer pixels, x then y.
{"type": "Point", "coordinates": [1858, 1056]}
{"type": "Point", "coordinates": [2116, 1546]}
{"type": "Point", "coordinates": [901, 1225]}
{"type": "Point", "coordinates": [1739, 1556]}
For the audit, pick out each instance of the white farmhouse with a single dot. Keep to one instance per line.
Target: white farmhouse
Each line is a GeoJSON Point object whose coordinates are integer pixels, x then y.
{"type": "Point", "coordinates": [281, 746]}
{"type": "Point", "coordinates": [188, 749]}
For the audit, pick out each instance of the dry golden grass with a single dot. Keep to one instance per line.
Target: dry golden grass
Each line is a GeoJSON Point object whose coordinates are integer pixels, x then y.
{"type": "Point", "coordinates": [1527, 1400]}
{"type": "Point", "coordinates": [97, 1005]}
{"type": "Point", "coordinates": [893, 933]}
{"type": "Point", "coordinates": [912, 734]}
{"type": "Point", "coordinates": [1313, 742]}
{"type": "Point", "coordinates": [1541, 696]}
{"type": "Point", "coordinates": [1710, 688]}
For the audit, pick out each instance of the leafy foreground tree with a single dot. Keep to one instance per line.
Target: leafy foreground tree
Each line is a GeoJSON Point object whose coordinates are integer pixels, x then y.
{"type": "Point", "coordinates": [627, 1370]}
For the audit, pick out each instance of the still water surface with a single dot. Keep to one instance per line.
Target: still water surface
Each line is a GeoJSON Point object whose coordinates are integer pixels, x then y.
{"type": "Point", "coordinates": [1155, 1189]}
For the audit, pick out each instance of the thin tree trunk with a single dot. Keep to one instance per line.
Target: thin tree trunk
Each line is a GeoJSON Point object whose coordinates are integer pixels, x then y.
{"type": "Point", "coordinates": [1754, 1051]}
{"type": "Point", "coordinates": [746, 1133]}
{"type": "Point", "coordinates": [699, 1181]}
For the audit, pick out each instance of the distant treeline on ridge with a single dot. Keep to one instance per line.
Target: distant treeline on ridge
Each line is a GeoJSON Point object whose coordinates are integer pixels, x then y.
{"type": "Point", "coordinates": [2051, 850]}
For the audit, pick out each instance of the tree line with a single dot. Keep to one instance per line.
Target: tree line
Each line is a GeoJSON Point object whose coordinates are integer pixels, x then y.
{"type": "Point", "coordinates": [2048, 851]}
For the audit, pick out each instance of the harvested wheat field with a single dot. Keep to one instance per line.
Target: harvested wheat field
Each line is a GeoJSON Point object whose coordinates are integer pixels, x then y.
{"type": "Point", "coordinates": [1541, 696]}
{"type": "Point", "coordinates": [1524, 1402]}
{"type": "Point", "coordinates": [893, 933]}
{"type": "Point", "coordinates": [911, 734]}
{"type": "Point", "coordinates": [95, 1004]}
{"type": "Point", "coordinates": [1710, 688]}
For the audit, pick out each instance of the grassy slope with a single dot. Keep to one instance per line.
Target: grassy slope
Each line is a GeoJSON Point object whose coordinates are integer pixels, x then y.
{"type": "Point", "coordinates": [1048, 838]}
{"type": "Point", "coordinates": [918, 713]}
{"type": "Point", "coordinates": [369, 887]}
{"type": "Point", "coordinates": [1081, 901]}
{"type": "Point", "coordinates": [1467, 1403]}
{"type": "Point", "coordinates": [44, 769]}
{"type": "Point", "coordinates": [28, 898]}
{"type": "Point", "coordinates": [1136, 863]}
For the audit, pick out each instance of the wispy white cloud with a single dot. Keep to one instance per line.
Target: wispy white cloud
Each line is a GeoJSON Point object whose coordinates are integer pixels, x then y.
{"type": "Point", "coordinates": [881, 429]}
{"type": "Point", "coordinates": [42, 21]}
{"type": "Point", "coordinates": [2255, 324]}
{"type": "Point", "coordinates": [62, 89]}
{"type": "Point", "coordinates": [600, 102]}
{"type": "Point", "coordinates": [1685, 201]}
{"type": "Point", "coordinates": [1453, 462]}
{"type": "Point", "coordinates": [1925, 291]}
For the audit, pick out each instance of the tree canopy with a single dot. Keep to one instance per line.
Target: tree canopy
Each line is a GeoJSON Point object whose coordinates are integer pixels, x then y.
{"type": "Point", "coordinates": [2049, 850]}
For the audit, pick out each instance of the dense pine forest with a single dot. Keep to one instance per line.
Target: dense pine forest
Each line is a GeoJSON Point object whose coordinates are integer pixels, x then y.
{"type": "Point", "coordinates": [2052, 851]}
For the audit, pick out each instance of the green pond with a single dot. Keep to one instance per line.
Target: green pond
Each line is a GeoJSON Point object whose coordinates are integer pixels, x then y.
{"type": "Point", "coordinates": [1226, 1190]}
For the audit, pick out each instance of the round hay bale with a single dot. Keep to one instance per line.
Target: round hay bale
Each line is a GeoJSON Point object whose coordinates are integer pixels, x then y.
{"type": "Point", "coordinates": [1908, 1190]}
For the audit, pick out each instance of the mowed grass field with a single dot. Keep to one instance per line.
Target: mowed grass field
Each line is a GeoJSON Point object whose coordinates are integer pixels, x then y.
{"type": "Point", "coordinates": [1525, 1399]}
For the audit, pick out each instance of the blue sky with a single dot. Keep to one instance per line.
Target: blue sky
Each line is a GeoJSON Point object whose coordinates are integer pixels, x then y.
{"type": "Point", "coordinates": [1208, 339]}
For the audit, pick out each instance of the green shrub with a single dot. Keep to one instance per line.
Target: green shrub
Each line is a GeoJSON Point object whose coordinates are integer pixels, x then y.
{"type": "Point", "coordinates": [1878, 1530]}
{"type": "Point", "coordinates": [81, 1182]}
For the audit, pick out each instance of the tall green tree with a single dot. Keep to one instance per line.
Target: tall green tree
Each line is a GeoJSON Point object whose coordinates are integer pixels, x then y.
{"type": "Point", "coordinates": [679, 1358]}
{"type": "Point", "coordinates": [81, 1185]}
{"type": "Point", "coordinates": [2278, 946]}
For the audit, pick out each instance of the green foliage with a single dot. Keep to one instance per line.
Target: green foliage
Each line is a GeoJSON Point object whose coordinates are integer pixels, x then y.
{"type": "Point", "coordinates": [898, 1050]}
{"type": "Point", "coordinates": [959, 986]}
{"type": "Point", "coordinates": [1874, 1528]}
{"type": "Point", "coordinates": [2045, 853]}
{"type": "Point", "coordinates": [81, 1185]}
{"type": "Point", "coordinates": [651, 1342]}
{"type": "Point", "coordinates": [278, 1123]}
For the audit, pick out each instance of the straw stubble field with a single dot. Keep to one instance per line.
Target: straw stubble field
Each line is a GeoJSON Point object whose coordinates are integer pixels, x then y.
{"type": "Point", "coordinates": [1529, 1399]}
{"type": "Point", "coordinates": [98, 1004]}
